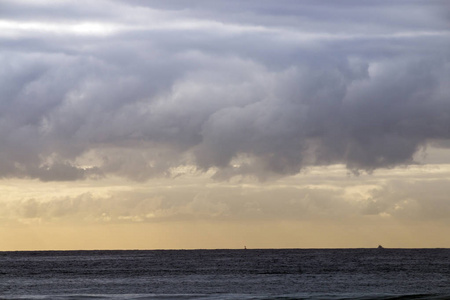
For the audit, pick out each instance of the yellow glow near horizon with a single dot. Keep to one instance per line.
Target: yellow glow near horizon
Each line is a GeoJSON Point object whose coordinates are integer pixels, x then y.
{"type": "Point", "coordinates": [324, 207]}
{"type": "Point", "coordinates": [225, 235]}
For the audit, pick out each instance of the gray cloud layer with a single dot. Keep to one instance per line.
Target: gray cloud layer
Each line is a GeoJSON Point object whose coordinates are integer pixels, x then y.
{"type": "Point", "coordinates": [254, 88]}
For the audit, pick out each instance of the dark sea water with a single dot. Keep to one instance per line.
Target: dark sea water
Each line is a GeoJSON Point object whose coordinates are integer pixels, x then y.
{"type": "Point", "coordinates": [227, 274]}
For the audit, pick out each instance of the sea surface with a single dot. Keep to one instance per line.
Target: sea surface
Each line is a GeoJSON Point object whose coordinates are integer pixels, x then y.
{"type": "Point", "coordinates": [227, 274]}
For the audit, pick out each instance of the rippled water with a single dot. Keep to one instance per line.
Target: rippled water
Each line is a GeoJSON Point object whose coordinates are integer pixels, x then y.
{"type": "Point", "coordinates": [227, 274]}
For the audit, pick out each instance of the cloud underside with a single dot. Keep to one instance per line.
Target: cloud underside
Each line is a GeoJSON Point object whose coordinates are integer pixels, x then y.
{"type": "Point", "coordinates": [240, 90]}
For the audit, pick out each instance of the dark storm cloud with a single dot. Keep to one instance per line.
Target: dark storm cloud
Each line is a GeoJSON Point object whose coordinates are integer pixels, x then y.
{"type": "Point", "coordinates": [253, 88]}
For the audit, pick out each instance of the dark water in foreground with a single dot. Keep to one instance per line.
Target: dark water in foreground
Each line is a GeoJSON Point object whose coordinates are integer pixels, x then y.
{"type": "Point", "coordinates": [227, 274]}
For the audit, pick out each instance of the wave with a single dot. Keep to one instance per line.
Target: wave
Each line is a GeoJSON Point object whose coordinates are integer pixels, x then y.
{"type": "Point", "coordinates": [229, 297]}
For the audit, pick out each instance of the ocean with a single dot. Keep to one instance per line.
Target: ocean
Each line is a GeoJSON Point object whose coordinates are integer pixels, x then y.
{"type": "Point", "coordinates": [227, 274]}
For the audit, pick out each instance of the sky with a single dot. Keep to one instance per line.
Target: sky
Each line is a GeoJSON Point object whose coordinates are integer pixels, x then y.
{"type": "Point", "coordinates": [224, 124]}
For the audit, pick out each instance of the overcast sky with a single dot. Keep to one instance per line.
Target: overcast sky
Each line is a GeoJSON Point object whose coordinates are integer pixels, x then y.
{"type": "Point", "coordinates": [228, 110]}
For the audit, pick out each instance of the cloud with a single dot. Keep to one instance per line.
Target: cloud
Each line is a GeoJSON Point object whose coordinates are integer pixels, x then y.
{"type": "Point", "coordinates": [403, 200]}
{"type": "Point", "coordinates": [185, 203]}
{"type": "Point", "coordinates": [323, 195]}
{"type": "Point", "coordinates": [410, 201]}
{"type": "Point", "coordinates": [256, 88]}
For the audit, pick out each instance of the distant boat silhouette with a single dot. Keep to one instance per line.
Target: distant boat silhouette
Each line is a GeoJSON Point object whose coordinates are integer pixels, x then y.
{"type": "Point", "coordinates": [380, 247]}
